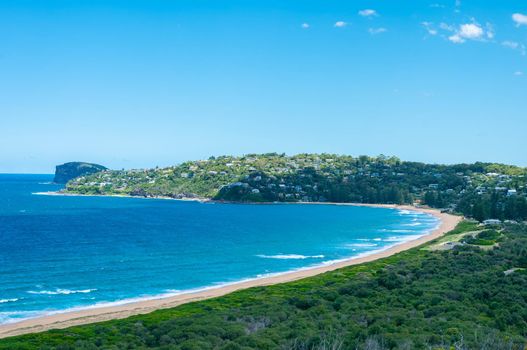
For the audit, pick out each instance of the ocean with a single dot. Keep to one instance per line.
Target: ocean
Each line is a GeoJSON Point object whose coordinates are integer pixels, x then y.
{"type": "Point", "coordinates": [61, 253]}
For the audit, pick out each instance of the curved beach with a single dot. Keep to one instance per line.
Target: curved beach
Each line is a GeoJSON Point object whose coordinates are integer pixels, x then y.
{"type": "Point", "coordinates": [103, 313]}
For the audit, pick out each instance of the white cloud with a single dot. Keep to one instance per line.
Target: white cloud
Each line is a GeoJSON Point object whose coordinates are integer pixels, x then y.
{"type": "Point", "coordinates": [461, 33]}
{"type": "Point", "coordinates": [511, 44]}
{"type": "Point", "coordinates": [456, 39]}
{"type": "Point", "coordinates": [305, 25]}
{"type": "Point", "coordinates": [374, 31]}
{"type": "Point", "coordinates": [429, 28]}
{"type": "Point", "coordinates": [518, 73]}
{"type": "Point", "coordinates": [340, 24]}
{"type": "Point", "coordinates": [469, 31]}
{"type": "Point", "coordinates": [519, 19]}
{"type": "Point", "coordinates": [445, 26]}
{"type": "Point", "coordinates": [515, 46]}
{"type": "Point", "coordinates": [490, 31]}
{"type": "Point", "coordinates": [368, 13]}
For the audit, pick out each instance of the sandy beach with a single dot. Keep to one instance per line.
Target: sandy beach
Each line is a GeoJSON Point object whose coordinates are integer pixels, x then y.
{"type": "Point", "coordinates": [68, 319]}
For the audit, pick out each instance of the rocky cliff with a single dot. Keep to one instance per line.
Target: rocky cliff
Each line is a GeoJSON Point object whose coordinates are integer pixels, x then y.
{"type": "Point", "coordinates": [71, 170]}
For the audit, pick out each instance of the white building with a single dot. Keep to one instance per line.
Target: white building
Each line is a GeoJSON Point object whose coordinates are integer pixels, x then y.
{"type": "Point", "coordinates": [491, 222]}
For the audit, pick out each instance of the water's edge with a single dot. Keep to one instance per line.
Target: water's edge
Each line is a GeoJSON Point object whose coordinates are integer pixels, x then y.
{"type": "Point", "coordinates": [249, 280]}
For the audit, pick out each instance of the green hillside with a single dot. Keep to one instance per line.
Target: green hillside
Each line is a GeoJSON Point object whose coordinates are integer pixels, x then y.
{"type": "Point", "coordinates": [480, 190]}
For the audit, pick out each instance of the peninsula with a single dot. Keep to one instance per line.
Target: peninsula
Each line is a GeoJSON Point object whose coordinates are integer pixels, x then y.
{"type": "Point", "coordinates": [480, 190]}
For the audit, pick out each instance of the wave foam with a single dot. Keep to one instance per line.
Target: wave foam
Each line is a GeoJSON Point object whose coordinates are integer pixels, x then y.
{"type": "Point", "coordinates": [3, 301]}
{"type": "Point", "coordinates": [413, 224]}
{"type": "Point", "coordinates": [406, 212]}
{"type": "Point", "coordinates": [398, 231]}
{"type": "Point", "coordinates": [402, 238]}
{"type": "Point", "coordinates": [61, 291]}
{"type": "Point", "coordinates": [361, 245]}
{"type": "Point", "coordinates": [290, 256]}
{"type": "Point", "coordinates": [7, 317]}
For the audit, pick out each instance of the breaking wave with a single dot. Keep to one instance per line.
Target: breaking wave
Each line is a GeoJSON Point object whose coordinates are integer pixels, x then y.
{"type": "Point", "coordinates": [290, 256]}
{"type": "Point", "coordinates": [12, 300]}
{"type": "Point", "coordinates": [61, 291]}
{"type": "Point", "coordinates": [361, 245]}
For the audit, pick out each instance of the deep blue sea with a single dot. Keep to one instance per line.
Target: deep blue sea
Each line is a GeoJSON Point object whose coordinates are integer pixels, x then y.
{"type": "Point", "coordinates": [60, 253]}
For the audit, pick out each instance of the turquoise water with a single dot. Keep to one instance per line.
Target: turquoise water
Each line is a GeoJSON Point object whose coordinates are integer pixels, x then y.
{"type": "Point", "coordinates": [60, 253]}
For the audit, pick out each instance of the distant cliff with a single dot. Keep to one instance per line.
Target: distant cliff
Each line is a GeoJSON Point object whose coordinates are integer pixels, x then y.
{"type": "Point", "coordinates": [71, 170]}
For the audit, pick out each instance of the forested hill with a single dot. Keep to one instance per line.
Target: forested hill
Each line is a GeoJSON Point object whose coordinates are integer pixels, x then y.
{"type": "Point", "coordinates": [479, 190]}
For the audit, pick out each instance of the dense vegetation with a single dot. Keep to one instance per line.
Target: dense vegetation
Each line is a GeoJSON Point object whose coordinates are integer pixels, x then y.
{"type": "Point", "coordinates": [466, 297]}
{"type": "Point", "coordinates": [480, 190]}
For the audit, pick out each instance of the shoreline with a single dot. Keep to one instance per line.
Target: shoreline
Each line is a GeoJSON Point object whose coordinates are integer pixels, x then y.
{"type": "Point", "coordinates": [59, 193]}
{"type": "Point", "coordinates": [94, 314]}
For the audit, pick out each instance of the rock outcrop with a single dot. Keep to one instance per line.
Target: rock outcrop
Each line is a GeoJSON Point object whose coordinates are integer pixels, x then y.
{"type": "Point", "coordinates": [71, 170]}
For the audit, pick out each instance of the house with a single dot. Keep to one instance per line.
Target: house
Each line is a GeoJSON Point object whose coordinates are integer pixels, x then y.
{"type": "Point", "coordinates": [491, 222]}
{"type": "Point", "coordinates": [511, 193]}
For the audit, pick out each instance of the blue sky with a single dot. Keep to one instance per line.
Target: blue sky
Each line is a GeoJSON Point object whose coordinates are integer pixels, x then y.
{"type": "Point", "coordinates": [143, 83]}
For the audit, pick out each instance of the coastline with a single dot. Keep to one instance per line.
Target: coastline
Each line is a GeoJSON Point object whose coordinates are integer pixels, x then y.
{"type": "Point", "coordinates": [60, 193]}
{"type": "Point", "coordinates": [103, 313]}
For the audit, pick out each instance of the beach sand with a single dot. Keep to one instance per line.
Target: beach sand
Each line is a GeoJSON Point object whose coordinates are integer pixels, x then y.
{"type": "Point", "coordinates": [74, 318]}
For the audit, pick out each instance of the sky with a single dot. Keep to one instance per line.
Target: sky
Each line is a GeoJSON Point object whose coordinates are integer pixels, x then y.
{"type": "Point", "coordinates": [133, 84]}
